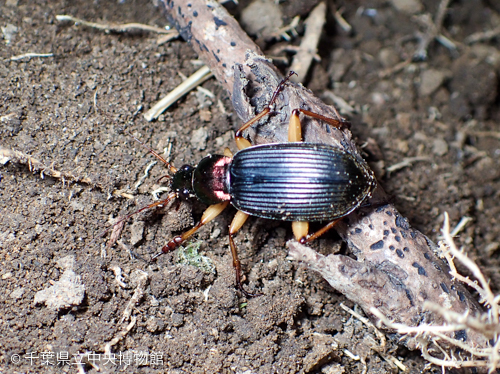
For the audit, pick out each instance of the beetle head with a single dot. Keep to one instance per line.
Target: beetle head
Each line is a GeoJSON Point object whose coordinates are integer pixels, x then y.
{"type": "Point", "coordinates": [182, 182]}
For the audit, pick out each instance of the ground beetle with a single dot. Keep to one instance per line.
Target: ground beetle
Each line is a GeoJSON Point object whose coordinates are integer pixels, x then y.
{"type": "Point", "coordinates": [296, 181]}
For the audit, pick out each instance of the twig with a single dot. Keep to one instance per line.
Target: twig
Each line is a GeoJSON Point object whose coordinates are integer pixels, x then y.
{"type": "Point", "coordinates": [343, 106]}
{"type": "Point", "coordinates": [433, 31]}
{"type": "Point", "coordinates": [35, 165]}
{"type": "Point", "coordinates": [396, 68]}
{"type": "Point", "coordinates": [344, 25]}
{"type": "Point", "coordinates": [283, 32]}
{"type": "Point", "coordinates": [494, 134]}
{"type": "Point", "coordinates": [484, 290]}
{"type": "Point", "coordinates": [482, 36]}
{"type": "Point", "coordinates": [309, 44]}
{"type": "Point", "coordinates": [405, 329]}
{"type": "Point", "coordinates": [194, 80]}
{"type": "Point", "coordinates": [221, 45]}
{"type": "Point", "coordinates": [126, 27]}
{"type": "Point", "coordinates": [30, 56]}
{"type": "Point", "coordinates": [395, 263]}
{"type": "Point", "coordinates": [381, 349]}
{"type": "Point", "coordinates": [119, 336]}
{"type": "Point", "coordinates": [486, 324]}
{"type": "Point", "coordinates": [460, 226]}
{"type": "Point", "coordinates": [141, 279]}
{"type": "Point", "coordinates": [465, 321]}
{"type": "Point", "coordinates": [408, 161]}
{"type": "Point", "coordinates": [367, 323]}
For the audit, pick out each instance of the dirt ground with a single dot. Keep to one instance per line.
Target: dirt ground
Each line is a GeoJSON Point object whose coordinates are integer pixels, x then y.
{"type": "Point", "coordinates": [70, 111]}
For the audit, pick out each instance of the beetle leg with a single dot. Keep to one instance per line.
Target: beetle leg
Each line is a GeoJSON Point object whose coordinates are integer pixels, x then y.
{"type": "Point", "coordinates": [300, 230]}
{"type": "Point", "coordinates": [318, 233]}
{"type": "Point", "coordinates": [228, 153]}
{"type": "Point", "coordinates": [160, 203]}
{"type": "Point", "coordinates": [338, 123]}
{"type": "Point", "coordinates": [238, 221]}
{"type": "Point", "coordinates": [241, 142]}
{"type": "Point", "coordinates": [294, 127]}
{"type": "Point", "coordinates": [210, 213]}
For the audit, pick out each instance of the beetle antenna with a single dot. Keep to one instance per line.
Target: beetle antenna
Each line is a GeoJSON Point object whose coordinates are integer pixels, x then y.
{"type": "Point", "coordinates": [154, 153]}
{"type": "Point", "coordinates": [280, 87]}
{"type": "Point", "coordinates": [160, 203]}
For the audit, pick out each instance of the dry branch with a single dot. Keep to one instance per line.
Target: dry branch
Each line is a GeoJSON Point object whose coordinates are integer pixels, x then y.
{"type": "Point", "coordinates": [36, 165]}
{"type": "Point", "coordinates": [396, 269]}
{"type": "Point", "coordinates": [308, 49]}
{"type": "Point", "coordinates": [486, 324]}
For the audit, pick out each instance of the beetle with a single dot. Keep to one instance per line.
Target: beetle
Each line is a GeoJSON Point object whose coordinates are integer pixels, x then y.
{"type": "Point", "coordinates": [295, 181]}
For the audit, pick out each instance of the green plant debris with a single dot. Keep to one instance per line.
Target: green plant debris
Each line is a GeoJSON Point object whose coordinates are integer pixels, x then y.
{"type": "Point", "coordinates": [189, 256]}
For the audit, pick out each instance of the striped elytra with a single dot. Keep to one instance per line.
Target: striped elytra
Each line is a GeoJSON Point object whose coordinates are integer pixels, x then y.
{"type": "Point", "coordinates": [298, 182]}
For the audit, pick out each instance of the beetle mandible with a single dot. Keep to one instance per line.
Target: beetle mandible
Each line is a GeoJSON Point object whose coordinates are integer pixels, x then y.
{"type": "Point", "coordinates": [295, 181]}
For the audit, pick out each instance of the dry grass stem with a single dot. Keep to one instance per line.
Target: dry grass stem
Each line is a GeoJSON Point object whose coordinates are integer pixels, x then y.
{"type": "Point", "coordinates": [125, 27]}
{"type": "Point", "coordinates": [283, 32]}
{"type": "Point", "coordinates": [482, 36]}
{"type": "Point", "coordinates": [408, 161]}
{"type": "Point", "coordinates": [35, 165]}
{"type": "Point", "coordinates": [193, 81]}
{"type": "Point", "coordinates": [309, 45]}
{"type": "Point", "coordinates": [30, 56]}
{"type": "Point", "coordinates": [380, 349]}
{"type": "Point", "coordinates": [451, 252]}
{"type": "Point", "coordinates": [367, 322]}
{"type": "Point", "coordinates": [120, 336]}
{"type": "Point", "coordinates": [344, 25]}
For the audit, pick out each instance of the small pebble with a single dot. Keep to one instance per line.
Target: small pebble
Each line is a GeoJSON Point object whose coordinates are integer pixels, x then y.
{"type": "Point", "coordinates": [388, 57]}
{"type": "Point", "coordinates": [137, 230]}
{"type": "Point", "coordinates": [431, 80]}
{"type": "Point", "coordinates": [262, 18]}
{"type": "Point", "coordinates": [439, 147]}
{"type": "Point", "coordinates": [66, 292]}
{"type": "Point", "coordinates": [199, 138]}
{"type": "Point", "coordinates": [9, 32]}
{"type": "Point", "coordinates": [17, 293]}
{"type": "Point", "coordinates": [155, 325]}
{"type": "Point", "coordinates": [409, 7]}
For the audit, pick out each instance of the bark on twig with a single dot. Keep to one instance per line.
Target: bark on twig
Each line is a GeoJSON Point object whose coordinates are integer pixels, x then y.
{"type": "Point", "coordinates": [396, 269]}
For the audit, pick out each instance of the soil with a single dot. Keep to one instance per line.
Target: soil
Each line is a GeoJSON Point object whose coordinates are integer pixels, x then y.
{"type": "Point", "coordinates": [75, 112]}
